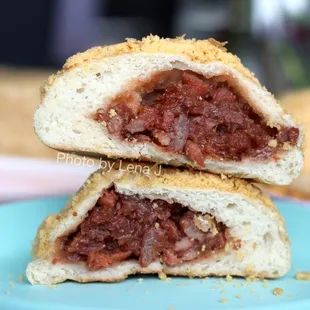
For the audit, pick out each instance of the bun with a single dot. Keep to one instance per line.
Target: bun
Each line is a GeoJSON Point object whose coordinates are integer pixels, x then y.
{"type": "Point", "coordinates": [250, 217]}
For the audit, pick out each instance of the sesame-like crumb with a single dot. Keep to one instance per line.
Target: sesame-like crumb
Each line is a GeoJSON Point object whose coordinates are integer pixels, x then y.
{"type": "Point", "coordinates": [251, 278]}
{"type": "Point", "coordinates": [229, 278]}
{"type": "Point", "coordinates": [8, 292]}
{"type": "Point", "coordinates": [163, 276]}
{"type": "Point", "coordinates": [12, 284]}
{"type": "Point", "coordinates": [239, 296]}
{"type": "Point", "coordinates": [140, 280]}
{"type": "Point", "coordinates": [203, 248]}
{"type": "Point", "coordinates": [223, 300]}
{"type": "Point", "coordinates": [303, 276]}
{"type": "Point", "coordinates": [21, 278]}
{"type": "Point", "coordinates": [273, 143]}
{"type": "Point", "coordinates": [277, 291]}
{"type": "Point", "coordinates": [112, 113]}
{"type": "Point", "coordinates": [223, 176]}
{"type": "Point", "coordinates": [180, 284]}
{"type": "Point", "coordinates": [156, 225]}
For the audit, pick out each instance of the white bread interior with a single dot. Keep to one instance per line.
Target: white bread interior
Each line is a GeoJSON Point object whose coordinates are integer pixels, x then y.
{"type": "Point", "coordinates": [249, 215]}
{"type": "Point", "coordinates": [90, 80]}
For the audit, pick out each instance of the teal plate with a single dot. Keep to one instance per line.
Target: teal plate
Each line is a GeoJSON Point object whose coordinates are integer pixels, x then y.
{"type": "Point", "coordinates": [18, 224]}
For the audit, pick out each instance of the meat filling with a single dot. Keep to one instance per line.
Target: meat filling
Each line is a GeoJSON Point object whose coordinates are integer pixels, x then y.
{"type": "Point", "coordinates": [188, 114]}
{"type": "Point", "coordinates": [122, 227]}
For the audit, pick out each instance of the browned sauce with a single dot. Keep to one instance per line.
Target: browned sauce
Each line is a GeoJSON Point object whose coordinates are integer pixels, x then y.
{"type": "Point", "coordinates": [188, 114]}
{"type": "Point", "coordinates": [121, 227]}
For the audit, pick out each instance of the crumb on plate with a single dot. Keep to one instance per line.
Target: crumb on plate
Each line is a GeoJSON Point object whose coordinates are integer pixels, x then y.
{"type": "Point", "coordinates": [277, 291]}
{"type": "Point", "coordinates": [303, 276]}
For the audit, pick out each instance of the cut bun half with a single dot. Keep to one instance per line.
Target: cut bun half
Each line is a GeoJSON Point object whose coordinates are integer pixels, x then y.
{"type": "Point", "coordinates": [100, 78]}
{"type": "Point", "coordinates": [255, 240]}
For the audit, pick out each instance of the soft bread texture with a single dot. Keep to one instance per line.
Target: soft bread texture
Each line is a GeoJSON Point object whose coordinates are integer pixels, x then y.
{"type": "Point", "coordinates": [249, 215]}
{"type": "Point", "coordinates": [298, 104]}
{"type": "Point", "coordinates": [90, 80]}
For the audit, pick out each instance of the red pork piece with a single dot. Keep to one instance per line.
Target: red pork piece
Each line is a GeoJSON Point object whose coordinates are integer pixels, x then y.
{"type": "Point", "coordinates": [185, 113]}
{"type": "Point", "coordinates": [121, 227]}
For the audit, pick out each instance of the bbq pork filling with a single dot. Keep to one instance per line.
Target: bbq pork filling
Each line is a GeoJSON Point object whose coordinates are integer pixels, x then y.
{"type": "Point", "coordinates": [122, 227]}
{"type": "Point", "coordinates": [188, 114]}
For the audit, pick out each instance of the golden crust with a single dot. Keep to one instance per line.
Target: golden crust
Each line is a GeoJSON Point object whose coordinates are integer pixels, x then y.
{"type": "Point", "coordinates": [169, 177]}
{"type": "Point", "coordinates": [202, 51]}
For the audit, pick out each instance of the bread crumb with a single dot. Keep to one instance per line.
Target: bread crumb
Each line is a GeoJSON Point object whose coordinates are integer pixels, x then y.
{"type": "Point", "coordinates": [305, 276]}
{"type": "Point", "coordinates": [237, 285]}
{"type": "Point", "coordinates": [140, 280]}
{"type": "Point", "coordinates": [251, 278]}
{"type": "Point", "coordinates": [273, 143]}
{"type": "Point", "coordinates": [239, 296]}
{"type": "Point", "coordinates": [203, 248]}
{"type": "Point", "coordinates": [21, 278]}
{"type": "Point", "coordinates": [223, 300]}
{"type": "Point", "coordinates": [265, 283]}
{"type": "Point", "coordinates": [104, 123]}
{"type": "Point", "coordinates": [229, 278]}
{"type": "Point", "coordinates": [286, 146]}
{"type": "Point", "coordinates": [156, 225]}
{"type": "Point", "coordinates": [180, 284]}
{"type": "Point", "coordinates": [277, 291]}
{"type": "Point", "coordinates": [12, 284]}
{"type": "Point", "coordinates": [163, 276]}
{"type": "Point", "coordinates": [8, 292]}
{"type": "Point", "coordinates": [223, 176]}
{"type": "Point", "coordinates": [206, 223]}
{"type": "Point", "coordinates": [112, 113]}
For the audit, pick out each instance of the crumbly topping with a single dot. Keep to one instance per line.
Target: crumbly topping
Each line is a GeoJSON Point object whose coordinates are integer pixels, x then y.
{"type": "Point", "coordinates": [202, 51]}
{"type": "Point", "coordinates": [206, 223]}
{"type": "Point", "coordinates": [112, 113]}
{"type": "Point", "coordinates": [273, 143]}
{"type": "Point", "coordinates": [229, 278]}
{"type": "Point", "coordinates": [163, 276]}
{"type": "Point", "coordinates": [277, 291]}
{"type": "Point", "coordinates": [303, 276]}
{"type": "Point", "coordinates": [223, 300]}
